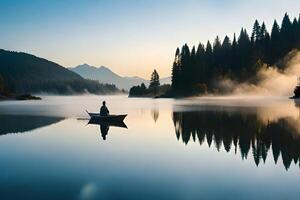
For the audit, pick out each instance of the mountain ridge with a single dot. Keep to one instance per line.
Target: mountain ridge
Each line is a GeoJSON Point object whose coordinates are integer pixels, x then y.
{"type": "Point", "coordinates": [105, 75]}
{"type": "Point", "coordinates": [26, 73]}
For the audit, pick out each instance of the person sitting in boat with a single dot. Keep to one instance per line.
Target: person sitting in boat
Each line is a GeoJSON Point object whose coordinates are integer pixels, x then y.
{"type": "Point", "coordinates": [104, 110]}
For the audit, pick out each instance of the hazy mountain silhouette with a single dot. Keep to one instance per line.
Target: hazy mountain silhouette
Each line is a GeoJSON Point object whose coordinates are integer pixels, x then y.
{"type": "Point", "coordinates": [105, 75]}
{"type": "Point", "coordinates": [24, 72]}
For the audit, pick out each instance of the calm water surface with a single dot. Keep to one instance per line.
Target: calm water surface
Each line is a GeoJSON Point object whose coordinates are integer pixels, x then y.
{"type": "Point", "coordinates": [205, 148]}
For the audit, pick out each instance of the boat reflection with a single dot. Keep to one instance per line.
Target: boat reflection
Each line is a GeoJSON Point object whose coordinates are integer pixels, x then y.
{"type": "Point", "coordinates": [242, 131]}
{"type": "Point", "coordinates": [104, 126]}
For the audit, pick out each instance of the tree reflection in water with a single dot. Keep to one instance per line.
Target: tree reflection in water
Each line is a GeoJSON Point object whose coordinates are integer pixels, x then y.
{"type": "Point", "coordinates": [25, 123]}
{"type": "Point", "coordinates": [241, 132]}
{"type": "Point", "coordinates": [155, 114]}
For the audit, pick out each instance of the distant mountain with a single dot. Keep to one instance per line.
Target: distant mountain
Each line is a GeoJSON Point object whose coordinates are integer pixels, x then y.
{"type": "Point", "coordinates": [165, 80]}
{"type": "Point", "coordinates": [105, 75]}
{"type": "Point", "coordinates": [22, 72]}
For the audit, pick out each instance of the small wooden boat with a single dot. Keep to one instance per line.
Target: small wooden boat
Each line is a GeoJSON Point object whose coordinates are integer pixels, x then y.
{"type": "Point", "coordinates": [109, 118]}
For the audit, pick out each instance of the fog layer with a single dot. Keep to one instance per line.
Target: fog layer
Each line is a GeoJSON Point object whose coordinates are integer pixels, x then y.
{"type": "Point", "coordinates": [271, 81]}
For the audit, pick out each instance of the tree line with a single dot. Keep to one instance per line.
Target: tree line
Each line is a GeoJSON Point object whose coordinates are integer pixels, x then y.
{"type": "Point", "coordinates": [3, 88]}
{"type": "Point", "coordinates": [196, 69]}
{"type": "Point", "coordinates": [241, 132]}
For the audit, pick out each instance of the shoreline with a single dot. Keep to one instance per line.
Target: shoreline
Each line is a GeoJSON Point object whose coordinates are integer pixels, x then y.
{"type": "Point", "coordinates": [18, 97]}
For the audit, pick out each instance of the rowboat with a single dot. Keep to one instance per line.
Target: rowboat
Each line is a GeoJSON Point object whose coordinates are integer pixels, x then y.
{"type": "Point", "coordinates": [109, 118]}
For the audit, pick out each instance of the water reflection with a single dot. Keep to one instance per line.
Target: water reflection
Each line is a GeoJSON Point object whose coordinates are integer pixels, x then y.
{"type": "Point", "coordinates": [104, 126]}
{"type": "Point", "coordinates": [297, 105]}
{"type": "Point", "coordinates": [155, 114]}
{"type": "Point", "coordinates": [246, 132]}
{"type": "Point", "coordinates": [24, 123]}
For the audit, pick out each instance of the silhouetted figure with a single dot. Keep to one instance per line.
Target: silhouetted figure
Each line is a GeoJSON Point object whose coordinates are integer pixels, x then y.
{"type": "Point", "coordinates": [104, 110]}
{"type": "Point", "coordinates": [104, 130]}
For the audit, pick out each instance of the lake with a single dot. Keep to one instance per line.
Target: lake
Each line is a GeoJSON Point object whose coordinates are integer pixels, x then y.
{"type": "Point", "coordinates": [198, 148]}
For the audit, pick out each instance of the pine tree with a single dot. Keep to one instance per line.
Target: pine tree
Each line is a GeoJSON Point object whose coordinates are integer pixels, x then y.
{"type": "Point", "coordinates": [263, 31]}
{"type": "Point", "coordinates": [154, 82]}
{"type": "Point", "coordinates": [275, 30]}
{"type": "Point", "coordinates": [286, 24]}
{"type": "Point", "coordinates": [265, 44]}
{"type": "Point", "coordinates": [200, 62]}
{"type": "Point", "coordinates": [275, 43]}
{"type": "Point", "coordinates": [244, 54]}
{"type": "Point", "coordinates": [294, 30]}
{"type": "Point", "coordinates": [217, 56]}
{"type": "Point", "coordinates": [208, 50]}
{"type": "Point", "coordinates": [143, 87]}
{"type": "Point", "coordinates": [225, 53]}
{"type": "Point", "coordinates": [208, 61]}
{"type": "Point", "coordinates": [176, 71]}
{"type": "Point", "coordinates": [233, 55]}
{"type": "Point", "coordinates": [286, 35]}
{"type": "Point", "coordinates": [186, 66]}
{"type": "Point", "coordinates": [193, 69]}
{"type": "Point", "coordinates": [255, 32]}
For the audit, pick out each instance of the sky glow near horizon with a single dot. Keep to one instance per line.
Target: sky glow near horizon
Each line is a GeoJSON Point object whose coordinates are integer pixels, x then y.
{"type": "Point", "coordinates": [130, 37]}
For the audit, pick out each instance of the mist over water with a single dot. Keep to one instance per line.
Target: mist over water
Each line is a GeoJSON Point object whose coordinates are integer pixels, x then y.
{"type": "Point", "coordinates": [271, 81]}
{"type": "Point", "coordinates": [234, 143]}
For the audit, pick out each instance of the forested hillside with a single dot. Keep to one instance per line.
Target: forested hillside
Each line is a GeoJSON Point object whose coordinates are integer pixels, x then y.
{"type": "Point", "coordinates": [197, 69]}
{"type": "Point", "coordinates": [22, 73]}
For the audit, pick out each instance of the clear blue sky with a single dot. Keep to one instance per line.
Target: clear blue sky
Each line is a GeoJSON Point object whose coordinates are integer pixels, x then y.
{"type": "Point", "coordinates": [132, 37]}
